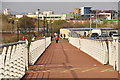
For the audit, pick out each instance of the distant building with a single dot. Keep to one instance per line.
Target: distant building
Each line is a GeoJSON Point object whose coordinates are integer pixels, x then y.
{"type": "Point", "coordinates": [77, 10]}
{"type": "Point", "coordinates": [47, 12]}
{"type": "Point", "coordinates": [30, 13]}
{"type": "Point", "coordinates": [18, 16]}
{"type": "Point", "coordinates": [32, 16]}
{"type": "Point", "coordinates": [48, 17]}
{"type": "Point", "coordinates": [71, 13]}
{"type": "Point", "coordinates": [80, 11]}
{"type": "Point", "coordinates": [85, 10]}
{"type": "Point", "coordinates": [107, 16]}
{"type": "Point", "coordinates": [53, 17]}
{"type": "Point", "coordinates": [6, 11]}
{"type": "Point", "coordinates": [37, 12]}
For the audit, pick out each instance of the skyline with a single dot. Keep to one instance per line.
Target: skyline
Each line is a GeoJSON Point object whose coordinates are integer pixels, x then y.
{"type": "Point", "coordinates": [57, 7]}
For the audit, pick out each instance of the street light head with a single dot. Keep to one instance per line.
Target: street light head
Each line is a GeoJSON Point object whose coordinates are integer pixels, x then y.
{"type": "Point", "coordinates": [38, 9]}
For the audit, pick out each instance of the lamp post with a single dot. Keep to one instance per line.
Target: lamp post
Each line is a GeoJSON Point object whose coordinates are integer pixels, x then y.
{"type": "Point", "coordinates": [96, 19]}
{"type": "Point", "coordinates": [44, 26]}
{"type": "Point", "coordinates": [38, 21]}
{"type": "Point", "coordinates": [90, 21]}
{"type": "Point", "coordinates": [17, 31]}
{"type": "Point", "coordinates": [49, 24]}
{"type": "Point", "coordinates": [51, 28]}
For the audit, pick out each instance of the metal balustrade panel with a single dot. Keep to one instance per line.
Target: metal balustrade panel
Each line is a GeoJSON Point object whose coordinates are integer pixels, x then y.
{"type": "Point", "coordinates": [103, 51]}
{"type": "Point", "coordinates": [114, 53]}
{"type": "Point", "coordinates": [14, 57]}
{"type": "Point", "coordinates": [7, 62]}
{"type": "Point", "coordinates": [2, 62]}
{"type": "Point", "coordinates": [119, 57]}
{"type": "Point", "coordinates": [37, 48]}
{"type": "Point", "coordinates": [94, 48]}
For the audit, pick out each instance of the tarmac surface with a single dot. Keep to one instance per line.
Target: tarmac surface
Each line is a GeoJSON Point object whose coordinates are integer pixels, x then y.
{"type": "Point", "coordinates": [62, 61]}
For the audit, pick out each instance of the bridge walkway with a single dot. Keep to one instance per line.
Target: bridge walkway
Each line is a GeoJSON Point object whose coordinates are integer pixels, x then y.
{"type": "Point", "coordinates": [64, 61]}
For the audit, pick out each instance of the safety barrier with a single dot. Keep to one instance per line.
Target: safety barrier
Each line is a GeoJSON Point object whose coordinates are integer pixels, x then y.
{"type": "Point", "coordinates": [114, 54]}
{"type": "Point", "coordinates": [13, 60]}
{"type": "Point", "coordinates": [119, 56]}
{"type": "Point", "coordinates": [95, 48]}
{"type": "Point", "coordinates": [48, 41]}
{"type": "Point", "coordinates": [37, 47]}
{"type": "Point", "coordinates": [106, 52]}
{"type": "Point", "coordinates": [15, 57]}
{"type": "Point", "coordinates": [75, 41]}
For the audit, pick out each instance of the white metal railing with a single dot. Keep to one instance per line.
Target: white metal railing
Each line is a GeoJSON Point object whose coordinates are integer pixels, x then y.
{"type": "Point", "coordinates": [114, 54]}
{"type": "Point", "coordinates": [15, 57]}
{"type": "Point", "coordinates": [37, 47]}
{"type": "Point", "coordinates": [106, 52]}
{"type": "Point", "coordinates": [48, 41]}
{"type": "Point", "coordinates": [119, 56]}
{"type": "Point", "coordinates": [95, 48]}
{"type": "Point", "coordinates": [75, 41]}
{"type": "Point", "coordinates": [13, 60]}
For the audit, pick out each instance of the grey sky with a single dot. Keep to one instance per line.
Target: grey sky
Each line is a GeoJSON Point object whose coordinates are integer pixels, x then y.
{"type": "Point", "coordinates": [58, 7]}
{"type": "Point", "coordinates": [60, 0]}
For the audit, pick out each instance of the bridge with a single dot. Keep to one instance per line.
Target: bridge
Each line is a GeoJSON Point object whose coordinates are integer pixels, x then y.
{"type": "Point", "coordinates": [75, 59]}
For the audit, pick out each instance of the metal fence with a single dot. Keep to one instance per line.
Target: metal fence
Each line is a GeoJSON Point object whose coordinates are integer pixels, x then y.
{"type": "Point", "coordinates": [105, 51]}
{"type": "Point", "coordinates": [114, 53]}
{"type": "Point", "coordinates": [13, 60]}
{"type": "Point", "coordinates": [14, 57]}
{"type": "Point", "coordinates": [37, 48]}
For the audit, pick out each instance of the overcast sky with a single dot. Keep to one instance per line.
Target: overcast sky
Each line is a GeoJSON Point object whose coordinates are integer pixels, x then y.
{"type": "Point", "coordinates": [57, 7]}
{"type": "Point", "coordinates": [60, 0]}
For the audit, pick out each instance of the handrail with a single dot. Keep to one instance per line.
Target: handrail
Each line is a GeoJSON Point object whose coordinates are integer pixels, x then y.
{"type": "Point", "coordinates": [10, 44]}
{"type": "Point", "coordinates": [94, 39]}
{"type": "Point", "coordinates": [16, 56]}
{"type": "Point", "coordinates": [19, 42]}
{"type": "Point", "coordinates": [38, 39]}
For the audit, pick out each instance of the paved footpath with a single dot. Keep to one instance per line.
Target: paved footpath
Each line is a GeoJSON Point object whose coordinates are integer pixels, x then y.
{"type": "Point", "coordinates": [62, 61]}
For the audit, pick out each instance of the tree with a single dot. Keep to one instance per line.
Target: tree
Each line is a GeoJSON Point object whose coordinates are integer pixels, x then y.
{"type": "Point", "coordinates": [26, 24]}
{"type": "Point", "coordinates": [5, 23]}
{"type": "Point", "coordinates": [57, 24]}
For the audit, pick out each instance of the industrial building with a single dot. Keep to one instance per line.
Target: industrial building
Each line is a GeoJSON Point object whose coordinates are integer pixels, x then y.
{"type": "Point", "coordinates": [85, 10]}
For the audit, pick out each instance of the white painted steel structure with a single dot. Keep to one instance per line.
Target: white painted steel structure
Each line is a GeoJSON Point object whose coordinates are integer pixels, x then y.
{"type": "Point", "coordinates": [119, 56]}
{"type": "Point", "coordinates": [95, 48]}
{"type": "Point", "coordinates": [13, 61]}
{"type": "Point", "coordinates": [106, 52]}
{"type": "Point", "coordinates": [114, 54]}
{"type": "Point", "coordinates": [14, 57]}
{"type": "Point", "coordinates": [37, 48]}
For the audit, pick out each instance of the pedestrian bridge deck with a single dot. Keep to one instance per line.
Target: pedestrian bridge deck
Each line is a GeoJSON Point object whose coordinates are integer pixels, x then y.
{"type": "Point", "coordinates": [62, 60]}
